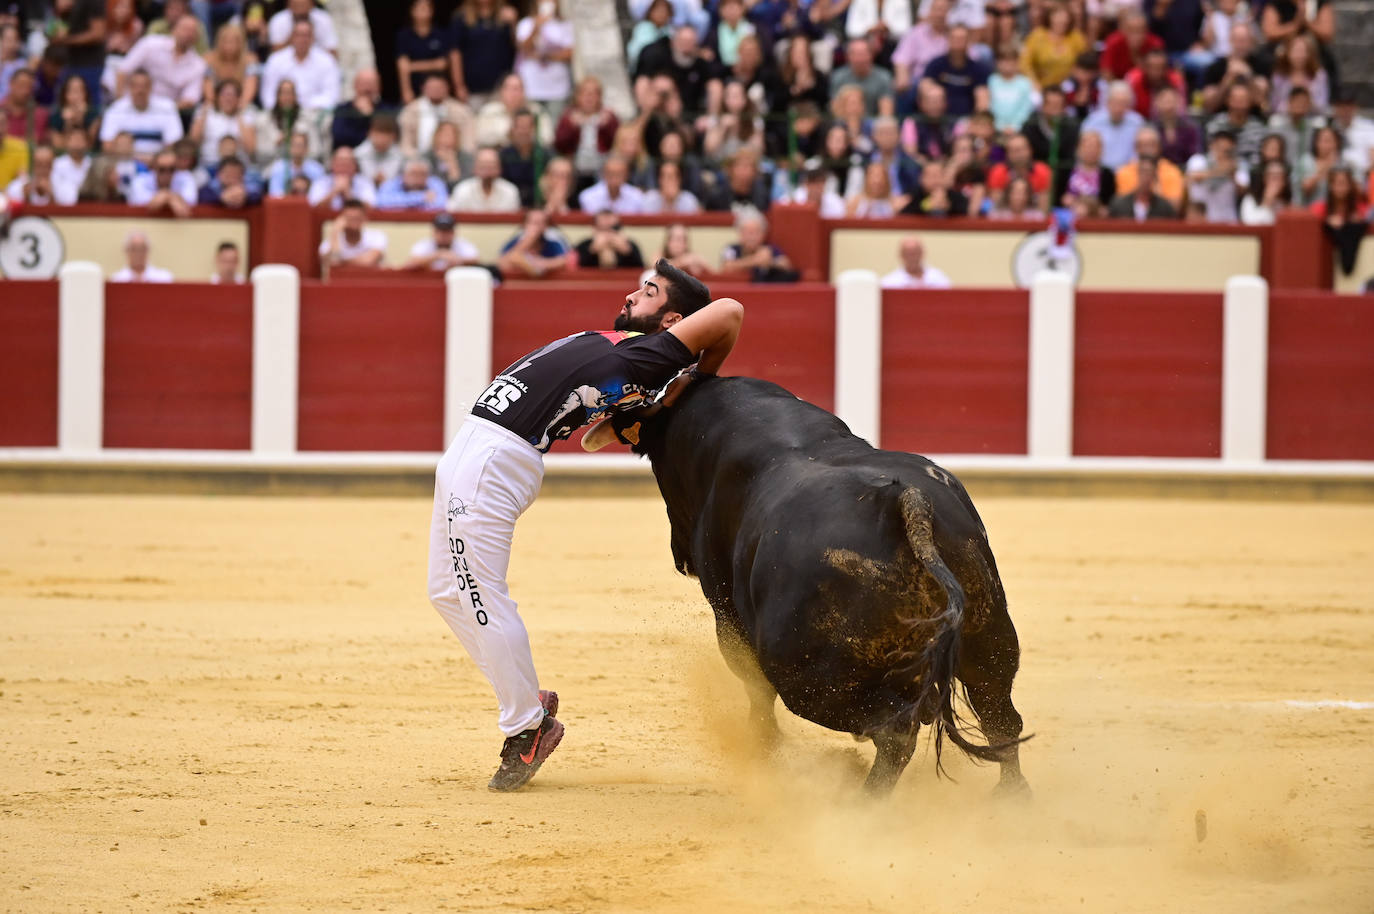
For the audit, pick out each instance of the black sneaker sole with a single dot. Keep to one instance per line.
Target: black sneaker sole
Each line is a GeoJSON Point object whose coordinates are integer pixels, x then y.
{"type": "Point", "coordinates": [547, 743]}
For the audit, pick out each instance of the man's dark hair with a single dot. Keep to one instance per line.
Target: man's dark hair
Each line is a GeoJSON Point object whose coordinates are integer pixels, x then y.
{"type": "Point", "coordinates": [686, 294]}
{"type": "Point", "coordinates": [226, 246]}
{"type": "Point", "coordinates": [353, 203]}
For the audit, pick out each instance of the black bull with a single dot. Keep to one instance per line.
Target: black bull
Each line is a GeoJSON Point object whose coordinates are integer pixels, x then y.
{"type": "Point", "coordinates": [855, 583]}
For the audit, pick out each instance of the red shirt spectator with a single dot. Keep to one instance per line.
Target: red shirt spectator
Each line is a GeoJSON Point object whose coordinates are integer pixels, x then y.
{"type": "Point", "coordinates": [1152, 75]}
{"type": "Point", "coordinates": [1125, 49]}
{"type": "Point", "coordinates": [1020, 163]}
{"type": "Point", "coordinates": [19, 110]}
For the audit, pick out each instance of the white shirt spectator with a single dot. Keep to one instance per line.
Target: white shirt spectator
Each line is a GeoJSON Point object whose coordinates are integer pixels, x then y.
{"type": "Point", "coordinates": [864, 16]}
{"type": "Point", "coordinates": [18, 191]}
{"type": "Point", "coordinates": [1359, 143]}
{"type": "Point", "coordinates": [426, 247]}
{"type": "Point", "coordinates": [316, 78]}
{"type": "Point", "coordinates": [150, 274]}
{"type": "Point", "coordinates": [831, 205]}
{"type": "Point", "coordinates": [67, 177]}
{"type": "Point", "coordinates": [551, 80]}
{"type": "Point", "coordinates": [178, 77]}
{"type": "Point", "coordinates": [1218, 195]}
{"type": "Point", "coordinates": [961, 12]}
{"type": "Point", "coordinates": [597, 197]}
{"type": "Point", "coordinates": [154, 127]}
{"type": "Point", "coordinates": [378, 167]}
{"type": "Point", "coordinates": [930, 278]}
{"type": "Point", "coordinates": [279, 29]}
{"type": "Point", "coordinates": [371, 239]}
{"type": "Point", "coordinates": [362, 190]}
{"type": "Point", "coordinates": [144, 186]}
{"type": "Point", "coordinates": [469, 197]}
{"type": "Point", "coordinates": [685, 203]}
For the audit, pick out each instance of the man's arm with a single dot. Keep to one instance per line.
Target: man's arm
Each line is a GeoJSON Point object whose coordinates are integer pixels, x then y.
{"type": "Point", "coordinates": [712, 332]}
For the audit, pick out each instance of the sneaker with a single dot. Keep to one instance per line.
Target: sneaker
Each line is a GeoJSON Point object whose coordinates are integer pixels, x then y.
{"type": "Point", "coordinates": [550, 702]}
{"type": "Point", "coordinates": [523, 753]}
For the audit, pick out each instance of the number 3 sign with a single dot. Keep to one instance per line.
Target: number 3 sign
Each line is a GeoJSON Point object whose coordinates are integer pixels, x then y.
{"type": "Point", "coordinates": [32, 249]}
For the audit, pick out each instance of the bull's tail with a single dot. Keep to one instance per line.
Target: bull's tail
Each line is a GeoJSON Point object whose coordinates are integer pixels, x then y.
{"type": "Point", "coordinates": [937, 661]}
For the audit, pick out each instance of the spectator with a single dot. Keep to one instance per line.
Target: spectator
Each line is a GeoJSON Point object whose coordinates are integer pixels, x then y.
{"type": "Point", "coordinates": [1294, 123]}
{"type": "Point", "coordinates": [295, 164]}
{"type": "Point", "coordinates": [1169, 183]}
{"type": "Point", "coordinates": [608, 248]}
{"type": "Point", "coordinates": [926, 136]}
{"type": "Point", "coordinates": [486, 191]}
{"type": "Point", "coordinates": [1117, 125]}
{"type": "Point", "coordinates": [736, 127]}
{"type": "Point", "coordinates": [613, 191]}
{"type": "Point", "coordinates": [587, 129]}
{"type": "Point", "coordinates": [875, 200]}
{"type": "Point", "coordinates": [903, 174]}
{"type": "Point", "coordinates": [127, 163]}
{"type": "Point", "coordinates": [12, 57]}
{"type": "Point", "coordinates": [413, 188]}
{"type": "Point", "coordinates": [314, 71]}
{"type": "Point", "coordinates": [1274, 147]}
{"type": "Point", "coordinates": [661, 114]}
{"type": "Point", "coordinates": [1085, 89]}
{"type": "Point", "coordinates": [1051, 48]}
{"type": "Point", "coordinates": [176, 67]}
{"type": "Point", "coordinates": [655, 24]}
{"type": "Point", "coordinates": [1125, 49]}
{"type": "Point", "coordinates": [558, 187]}
{"type": "Point", "coordinates": [1298, 66]}
{"type": "Point", "coordinates": [230, 59]}
{"type": "Point", "coordinates": [102, 183]}
{"type": "Point", "coordinates": [1340, 203]}
{"type": "Point", "coordinates": [226, 265]}
{"type": "Point", "coordinates": [224, 114]}
{"type": "Point", "coordinates": [281, 27]}
{"type": "Point", "coordinates": [677, 250]}
{"type": "Point", "coordinates": [284, 120]}
{"type": "Point", "coordinates": [731, 27]}
{"type": "Point", "coordinates": [802, 83]}
{"type": "Point", "coordinates": [422, 52]}
{"type": "Point", "coordinates": [1018, 201]}
{"type": "Point", "coordinates": [80, 35]}
{"type": "Point", "coordinates": [433, 107]}
{"type": "Point", "coordinates": [136, 266]}
{"type": "Point", "coordinates": [744, 186]}
{"type": "Point", "coordinates": [228, 189]}
{"type": "Point", "coordinates": [70, 169]}
{"type": "Point", "coordinates": [1222, 17]}
{"type": "Point", "coordinates": [493, 120]}
{"type": "Point", "coordinates": [668, 195]}
{"type": "Point", "coordinates": [443, 249]}
{"type": "Point", "coordinates": [753, 255]}
{"type": "Point", "coordinates": [679, 58]}
{"type": "Point", "coordinates": [165, 188]}
{"type": "Point", "coordinates": [545, 48]}
{"type": "Point", "coordinates": [36, 187]}
{"type": "Point", "coordinates": [1357, 130]}
{"type": "Point", "coordinates": [921, 44]}
{"type": "Point", "coordinates": [255, 28]}
{"type": "Point", "coordinates": [47, 75]}
{"type": "Point", "coordinates": [1243, 64]}
{"type": "Point", "coordinates": [14, 158]}
{"type": "Point", "coordinates": [964, 79]}
{"type": "Point", "coordinates": [914, 273]}
{"type": "Point", "coordinates": [73, 108]}
{"type": "Point", "coordinates": [447, 161]}
{"type": "Point", "coordinates": [1239, 120]}
{"type": "Point", "coordinates": [936, 197]}
{"type": "Point", "coordinates": [520, 157]}
{"type": "Point", "coordinates": [1012, 98]}
{"type": "Point", "coordinates": [483, 51]}
{"type": "Point", "coordinates": [1152, 75]}
{"type": "Point", "coordinates": [123, 28]}
{"type": "Point", "coordinates": [379, 156]}
{"type": "Point", "coordinates": [1088, 186]}
{"type": "Point", "coordinates": [1217, 179]}
{"type": "Point", "coordinates": [849, 112]}
{"type": "Point", "coordinates": [1280, 21]}
{"type": "Point", "coordinates": [860, 70]}
{"type": "Point", "coordinates": [173, 11]}
{"type": "Point", "coordinates": [23, 117]}
{"type": "Point", "coordinates": [537, 250]}
{"type": "Point", "coordinates": [1180, 138]}
{"type": "Point", "coordinates": [1051, 132]}
{"type": "Point", "coordinates": [813, 190]}
{"type": "Point", "coordinates": [968, 13]}
{"type": "Point", "coordinates": [1269, 195]}
{"type": "Point", "coordinates": [685, 12]}
{"type": "Point", "coordinates": [871, 17]}
{"type": "Point", "coordinates": [353, 118]}
{"type": "Point", "coordinates": [1317, 162]}
{"type": "Point", "coordinates": [351, 241]}
{"type": "Point", "coordinates": [1142, 202]}
{"type": "Point", "coordinates": [1020, 163]}
{"type": "Point", "coordinates": [343, 183]}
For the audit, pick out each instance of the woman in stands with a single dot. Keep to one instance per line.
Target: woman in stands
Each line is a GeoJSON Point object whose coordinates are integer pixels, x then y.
{"type": "Point", "coordinates": [230, 58]}
{"type": "Point", "coordinates": [422, 50]}
{"type": "Point", "coordinates": [848, 109]}
{"type": "Point", "coordinates": [223, 114]}
{"type": "Point", "coordinates": [737, 126]}
{"type": "Point", "coordinates": [1051, 48]}
{"type": "Point", "coordinates": [447, 161]}
{"type": "Point", "coordinates": [800, 78]}
{"type": "Point", "coordinates": [1088, 187]}
{"type": "Point", "coordinates": [483, 49]}
{"type": "Point", "coordinates": [1297, 64]}
{"type": "Point", "coordinates": [677, 250]}
{"type": "Point", "coordinates": [586, 131]}
{"type": "Point", "coordinates": [1343, 202]}
{"type": "Point", "coordinates": [73, 107]}
{"type": "Point", "coordinates": [1317, 163]}
{"type": "Point", "coordinates": [875, 200]}
{"type": "Point", "coordinates": [278, 124]}
{"type": "Point", "coordinates": [1018, 202]}
{"type": "Point", "coordinates": [668, 195]}
{"type": "Point", "coordinates": [842, 161]}
{"type": "Point", "coordinates": [1266, 196]}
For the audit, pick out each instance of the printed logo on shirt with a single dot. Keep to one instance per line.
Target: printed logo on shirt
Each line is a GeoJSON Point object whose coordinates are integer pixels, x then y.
{"type": "Point", "coordinates": [501, 393]}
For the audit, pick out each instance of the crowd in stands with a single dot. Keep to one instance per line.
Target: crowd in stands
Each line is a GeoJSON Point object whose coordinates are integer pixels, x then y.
{"type": "Point", "coordinates": [1211, 111]}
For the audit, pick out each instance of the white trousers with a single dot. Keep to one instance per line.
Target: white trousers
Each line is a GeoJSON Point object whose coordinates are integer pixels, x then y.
{"type": "Point", "coordinates": [485, 481]}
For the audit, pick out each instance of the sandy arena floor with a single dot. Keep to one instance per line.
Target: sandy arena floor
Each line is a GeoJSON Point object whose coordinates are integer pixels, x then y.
{"type": "Point", "coordinates": [248, 704]}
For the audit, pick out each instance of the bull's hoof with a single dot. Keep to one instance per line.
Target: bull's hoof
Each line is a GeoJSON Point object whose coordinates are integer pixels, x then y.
{"type": "Point", "coordinates": [1015, 790]}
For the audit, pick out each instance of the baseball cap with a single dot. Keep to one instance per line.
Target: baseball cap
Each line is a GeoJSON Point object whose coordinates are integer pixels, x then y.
{"type": "Point", "coordinates": [445, 221]}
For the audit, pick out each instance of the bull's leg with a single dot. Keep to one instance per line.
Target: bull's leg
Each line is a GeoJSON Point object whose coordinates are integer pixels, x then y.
{"type": "Point", "coordinates": [894, 751]}
{"type": "Point", "coordinates": [987, 667]}
{"type": "Point", "coordinates": [1000, 723]}
{"type": "Point", "coordinates": [762, 696]}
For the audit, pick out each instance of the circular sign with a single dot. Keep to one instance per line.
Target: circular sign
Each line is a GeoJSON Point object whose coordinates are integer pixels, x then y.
{"type": "Point", "coordinates": [1038, 251]}
{"type": "Point", "coordinates": [32, 249]}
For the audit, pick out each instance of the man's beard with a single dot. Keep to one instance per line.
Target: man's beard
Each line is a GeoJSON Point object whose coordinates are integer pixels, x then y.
{"type": "Point", "coordinates": [642, 324]}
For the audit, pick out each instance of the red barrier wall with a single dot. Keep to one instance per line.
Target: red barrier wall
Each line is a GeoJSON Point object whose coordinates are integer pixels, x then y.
{"type": "Point", "coordinates": [954, 371]}
{"type": "Point", "coordinates": [371, 367]}
{"type": "Point", "coordinates": [1321, 377]}
{"type": "Point", "coordinates": [1147, 374]}
{"type": "Point", "coordinates": [28, 364]}
{"type": "Point", "coordinates": [178, 365]}
{"type": "Point", "coordinates": [788, 337]}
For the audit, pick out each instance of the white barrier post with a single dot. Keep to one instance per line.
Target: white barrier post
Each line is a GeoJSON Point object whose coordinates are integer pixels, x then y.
{"type": "Point", "coordinates": [858, 352]}
{"type": "Point", "coordinates": [1245, 369]}
{"type": "Point", "coordinates": [467, 343]}
{"type": "Point", "coordinates": [276, 357]}
{"type": "Point", "coordinates": [1050, 387]}
{"type": "Point", "coordinates": [80, 357]}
